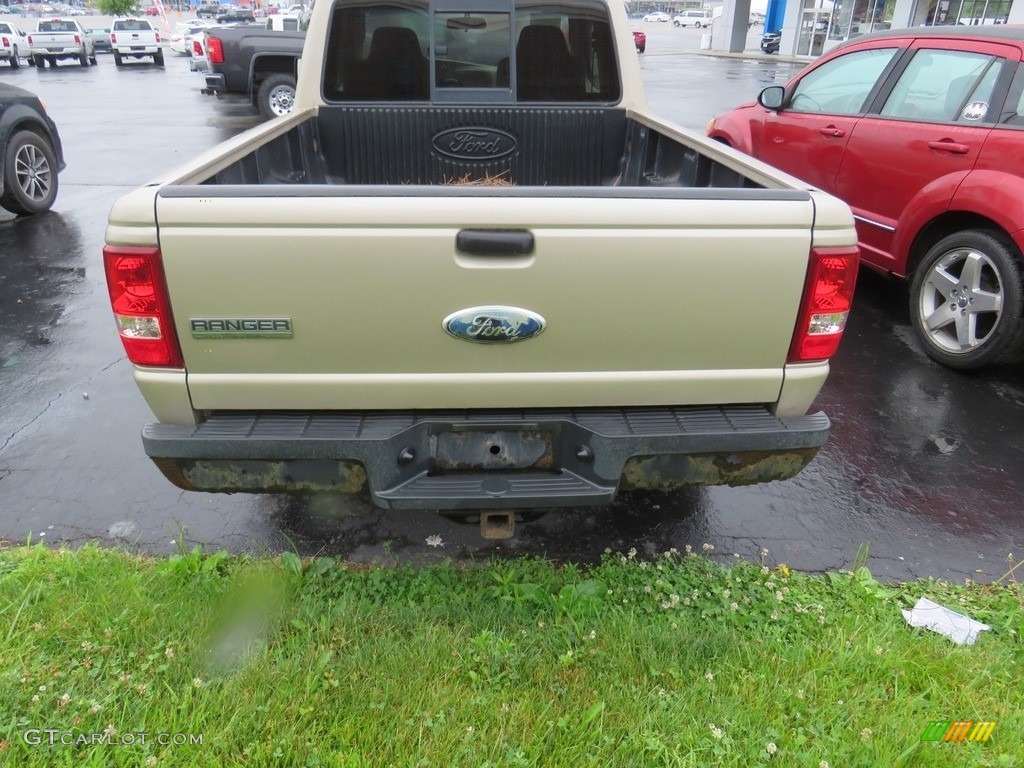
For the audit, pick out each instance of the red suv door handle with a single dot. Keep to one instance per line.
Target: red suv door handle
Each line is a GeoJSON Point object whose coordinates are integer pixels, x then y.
{"type": "Point", "coordinates": [949, 146]}
{"type": "Point", "coordinates": [832, 131]}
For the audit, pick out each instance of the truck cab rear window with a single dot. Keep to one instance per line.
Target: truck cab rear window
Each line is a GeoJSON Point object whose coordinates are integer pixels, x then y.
{"type": "Point", "coordinates": [449, 53]}
{"type": "Point", "coordinates": [57, 26]}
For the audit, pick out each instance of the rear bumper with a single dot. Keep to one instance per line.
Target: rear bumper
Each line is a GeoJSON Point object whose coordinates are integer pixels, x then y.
{"type": "Point", "coordinates": [214, 83]}
{"type": "Point", "coordinates": [58, 53]}
{"type": "Point", "coordinates": [485, 459]}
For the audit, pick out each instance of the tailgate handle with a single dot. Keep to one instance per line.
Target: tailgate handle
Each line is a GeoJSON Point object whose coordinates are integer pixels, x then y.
{"type": "Point", "coordinates": [494, 242]}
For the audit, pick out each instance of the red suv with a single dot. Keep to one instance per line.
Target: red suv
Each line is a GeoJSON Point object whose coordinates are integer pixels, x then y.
{"type": "Point", "coordinates": [921, 132]}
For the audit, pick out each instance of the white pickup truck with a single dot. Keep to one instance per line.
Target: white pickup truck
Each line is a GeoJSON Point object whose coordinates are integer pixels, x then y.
{"type": "Point", "coordinates": [472, 272]}
{"type": "Point", "coordinates": [135, 39]}
{"type": "Point", "coordinates": [56, 39]}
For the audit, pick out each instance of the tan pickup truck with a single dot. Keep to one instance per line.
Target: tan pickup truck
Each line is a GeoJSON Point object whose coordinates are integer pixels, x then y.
{"type": "Point", "coordinates": [470, 271]}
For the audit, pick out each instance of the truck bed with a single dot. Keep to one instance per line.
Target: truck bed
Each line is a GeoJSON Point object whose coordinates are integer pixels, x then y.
{"type": "Point", "coordinates": [524, 146]}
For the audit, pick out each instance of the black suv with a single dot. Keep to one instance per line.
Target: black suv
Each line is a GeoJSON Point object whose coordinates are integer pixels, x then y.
{"type": "Point", "coordinates": [209, 11]}
{"type": "Point", "coordinates": [235, 14]}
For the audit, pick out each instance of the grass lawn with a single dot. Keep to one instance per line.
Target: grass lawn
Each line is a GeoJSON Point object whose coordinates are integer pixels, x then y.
{"type": "Point", "coordinates": [110, 659]}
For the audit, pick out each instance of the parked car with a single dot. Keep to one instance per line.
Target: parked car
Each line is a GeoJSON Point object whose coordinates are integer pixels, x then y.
{"type": "Point", "coordinates": [56, 39]}
{"type": "Point", "coordinates": [179, 42]}
{"type": "Point", "coordinates": [197, 62]}
{"type": "Point", "coordinates": [770, 42]}
{"type": "Point", "coordinates": [31, 154]}
{"type": "Point", "coordinates": [209, 11]}
{"type": "Point", "coordinates": [152, 11]}
{"type": "Point", "coordinates": [921, 132]}
{"type": "Point", "coordinates": [640, 40]}
{"type": "Point", "coordinates": [100, 39]}
{"type": "Point", "coordinates": [235, 15]}
{"type": "Point", "coordinates": [13, 45]}
{"type": "Point", "coordinates": [696, 19]}
{"type": "Point", "coordinates": [754, 19]}
{"type": "Point", "coordinates": [657, 16]}
{"type": "Point", "coordinates": [135, 39]}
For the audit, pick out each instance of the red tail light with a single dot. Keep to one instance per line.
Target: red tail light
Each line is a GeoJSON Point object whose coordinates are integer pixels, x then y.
{"type": "Point", "coordinates": [30, 39]}
{"type": "Point", "coordinates": [6, 42]}
{"type": "Point", "coordinates": [828, 296]}
{"type": "Point", "coordinates": [158, 37]}
{"type": "Point", "coordinates": [138, 296]}
{"type": "Point", "coordinates": [214, 50]}
{"type": "Point", "coordinates": [197, 49]}
{"type": "Point", "coordinates": [78, 40]}
{"type": "Point", "coordinates": [113, 39]}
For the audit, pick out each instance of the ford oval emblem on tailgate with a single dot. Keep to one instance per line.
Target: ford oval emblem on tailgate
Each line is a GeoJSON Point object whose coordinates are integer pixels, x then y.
{"type": "Point", "coordinates": [492, 325]}
{"type": "Point", "coordinates": [474, 143]}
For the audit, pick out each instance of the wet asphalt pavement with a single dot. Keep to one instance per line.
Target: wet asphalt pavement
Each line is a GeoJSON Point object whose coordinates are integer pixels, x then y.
{"type": "Point", "coordinates": [923, 464]}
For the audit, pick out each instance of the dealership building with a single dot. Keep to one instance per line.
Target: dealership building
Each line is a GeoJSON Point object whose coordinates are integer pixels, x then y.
{"type": "Point", "coordinates": [812, 27]}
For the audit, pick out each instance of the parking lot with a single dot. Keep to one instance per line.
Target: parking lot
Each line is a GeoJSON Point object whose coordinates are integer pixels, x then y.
{"type": "Point", "coordinates": [923, 463]}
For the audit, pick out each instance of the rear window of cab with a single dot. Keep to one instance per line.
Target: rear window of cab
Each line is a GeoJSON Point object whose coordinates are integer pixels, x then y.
{"type": "Point", "coordinates": [529, 52]}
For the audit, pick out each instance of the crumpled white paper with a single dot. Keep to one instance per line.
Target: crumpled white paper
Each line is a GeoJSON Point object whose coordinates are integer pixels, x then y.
{"type": "Point", "coordinates": [959, 628]}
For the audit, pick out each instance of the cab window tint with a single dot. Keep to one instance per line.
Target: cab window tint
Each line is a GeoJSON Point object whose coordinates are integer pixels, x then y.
{"type": "Point", "coordinates": [841, 86]}
{"type": "Point", "coordinates": [942, 86]}
{"type": "Point", "coordinates": [533, 52]}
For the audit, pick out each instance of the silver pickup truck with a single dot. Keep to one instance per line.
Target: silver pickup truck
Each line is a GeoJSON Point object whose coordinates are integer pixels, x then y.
{"type": "Point", "coordinates": [470, 271]}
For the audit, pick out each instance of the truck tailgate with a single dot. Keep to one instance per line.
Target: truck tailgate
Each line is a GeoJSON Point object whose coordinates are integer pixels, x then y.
{"type": "Point", "coordinates": [650, 296]}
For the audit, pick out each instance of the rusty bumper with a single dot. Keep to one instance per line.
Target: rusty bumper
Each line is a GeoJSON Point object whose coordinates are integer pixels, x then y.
{"type": "Point", "coordinates": [485, 459]}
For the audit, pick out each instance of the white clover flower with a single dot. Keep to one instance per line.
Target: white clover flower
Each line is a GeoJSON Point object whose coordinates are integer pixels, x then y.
{"type": "Point", "coordinates": [775, 616]}
{"type": "Point", "coordinates": [778, 596]}
{"type": "Point", "coordinates": [865, 734]}
{"type": "Point", "coordinates": [709, 677]}
{"type": "Point", "coordinates": [688, 549]}
{"type": "Point", "coordinates": [35, 699]}
{"type": "Point", "coordinates": [42, 689]}
{"type": "Point", "coordinates": [770, 748]}
{"type": "Point", "coordinates": [733, 607]}
{"type": "Point", "coordinates": [86, 646]}
{"type": "Point", "coordinates": [647, 589]}
{"type": "Point", "coordinates": [707, 547]}
{"type": "Point", "coordinates": [725, 594]}
{"type": "Point", "coordinates": [823, 764]}
{"type": "Point", "coordinates": [169, 652]}
{"type": "Point", "coordinates": [110, 730]}
{"type": "Point", "coordinates": [64, 700]}
{"type": "Point", "coordinates": [198, 682]}
{"type": "Point", "coordinates": [94, 708]}
{"type": "Point", "coordinates": [800, 694]}
{"type": "Point", "coordinates": [631, 553]}
{"type": "Point", "coordinates": [151, 761]}
{"type": "Point", "coordinates": [764, 552]}
{"type": "Point", "coordinates": [715, 731]}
